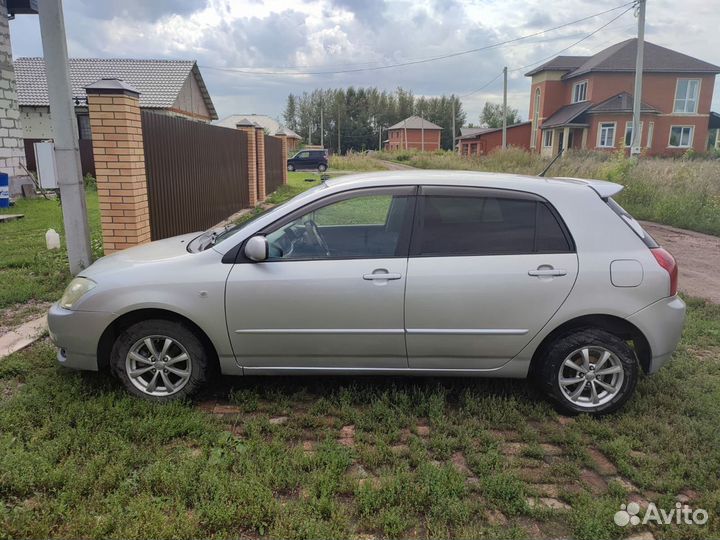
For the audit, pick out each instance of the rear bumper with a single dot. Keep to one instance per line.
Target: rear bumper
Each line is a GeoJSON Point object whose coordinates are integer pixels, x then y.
{"type": "Point", "coordinates": [662, 324]}
{"type": "Point", "coordinates": [76, 334]}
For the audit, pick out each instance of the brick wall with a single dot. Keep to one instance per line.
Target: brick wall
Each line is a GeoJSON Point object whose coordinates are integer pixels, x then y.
{"type": "Point", "coordinates": [120, 166]}
{"type": "Point", "coordinates": [12, 150]}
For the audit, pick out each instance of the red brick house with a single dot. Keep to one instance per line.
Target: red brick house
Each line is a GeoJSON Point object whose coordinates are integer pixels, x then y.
{"type": "Point", "coordinates": [586, 101]}
{"type": "Point", "coordinates": [413, 133]}
{"type": "Point", "coordinates": [479, 141]}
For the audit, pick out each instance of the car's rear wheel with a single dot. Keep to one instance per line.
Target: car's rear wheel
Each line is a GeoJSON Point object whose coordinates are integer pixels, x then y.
{"type": "Point", "coordinates": [291, 168]}
{"type": "Point", "coordinates": [590, 371]}
{"type": "Point", "coordinates": [322, 168]}
{"type": "Point", "coordinates": [160, 360]}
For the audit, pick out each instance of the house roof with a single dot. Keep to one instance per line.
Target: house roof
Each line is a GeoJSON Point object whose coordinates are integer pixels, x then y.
{"type": "Point", "coordinates": [569, 114]}
{"type": "Point", "coordinates": [158, 81]}
{"type": "Point", "coordinates": [574, 114]}
{"type": "Point", "coordinates": [560, 63]}
{"type": "Point", "coordinates": [621, 58]}
{"type": "Point", "coordinates": [621, 103]}
{"type": "Point", "coordinates": [415, 122]}
{"type": "Point", "coordinates": [484, 131]}
{"type": "Point", "coordinates": [270, 124]}
{"type": "Point", "coordinates": [472, 131]}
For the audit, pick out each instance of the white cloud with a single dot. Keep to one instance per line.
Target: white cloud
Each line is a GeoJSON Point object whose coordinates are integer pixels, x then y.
{"type": "Point", "coordinates": [332, 33]}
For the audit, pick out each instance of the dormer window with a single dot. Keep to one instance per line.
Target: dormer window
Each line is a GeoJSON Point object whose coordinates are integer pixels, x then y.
{"type": "Point", "coordinates": [580, 92]}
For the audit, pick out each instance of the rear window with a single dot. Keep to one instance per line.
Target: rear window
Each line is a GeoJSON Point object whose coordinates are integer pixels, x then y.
{"type": "Point", "coordinates": [632, 223]}
{"type": "Point", "coordinates": [489, 226]}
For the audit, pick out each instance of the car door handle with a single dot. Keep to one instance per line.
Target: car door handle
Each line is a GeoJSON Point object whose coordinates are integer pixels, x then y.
{"type": "Point", "coordinates": [381, 275]}
{"type": "Point", "coordinates": [548, 272]}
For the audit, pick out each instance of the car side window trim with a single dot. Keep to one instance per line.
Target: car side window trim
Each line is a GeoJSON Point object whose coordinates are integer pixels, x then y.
{"type": "Point", "coordinates": [481, 192]}
{"type": "Point", "coordinates": [395, 191]}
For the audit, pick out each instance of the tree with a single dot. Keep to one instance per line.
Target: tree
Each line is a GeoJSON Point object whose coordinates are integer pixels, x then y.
{"type": "Point", "coordinates": [492, 116]}
{"type": "Point", "coordinates": [290, 114]}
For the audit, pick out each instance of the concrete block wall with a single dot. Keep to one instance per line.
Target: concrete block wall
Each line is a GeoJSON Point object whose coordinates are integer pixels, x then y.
{"type": "Point", "coordinates": [12, 150]}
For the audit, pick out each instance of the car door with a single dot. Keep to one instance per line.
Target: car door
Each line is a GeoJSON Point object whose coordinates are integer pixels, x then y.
{"type": "Point", "coordinates": [487, 270]}
{"type": "Point", "coordinates": [330, 295]}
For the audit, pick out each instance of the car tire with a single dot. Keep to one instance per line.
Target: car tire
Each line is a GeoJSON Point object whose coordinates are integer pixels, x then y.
{"type": "Point", "coordinates": [291, 168]}
{"type": "Point", "coordinates": [322, 168]}
{"type": "Point", "coordinates": [174, 377]}
{"type": "Point", "coordinates": [594, 390]}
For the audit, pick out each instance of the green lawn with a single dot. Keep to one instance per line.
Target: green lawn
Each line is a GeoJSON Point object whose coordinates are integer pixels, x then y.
{"type": "Point", "coordinates": [28, 271]}
{"type": "Point", "coordinates": [352, 457]}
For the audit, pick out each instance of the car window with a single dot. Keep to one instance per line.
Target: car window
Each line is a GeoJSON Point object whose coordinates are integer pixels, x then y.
{"type": "Point", "coordinates": [365, 226]}
{"type": "Point", "coordinates": [303, 155]}
{"type": "Point", "coordinates": [632, 223]}
{"type": "Point", "coordinates": [488, 226]}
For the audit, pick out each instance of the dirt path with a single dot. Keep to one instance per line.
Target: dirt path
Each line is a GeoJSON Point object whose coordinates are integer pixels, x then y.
{"type": "Point", "coordinates": [698, 256]}
{"type": "Point", "coordinates": [392, 166]}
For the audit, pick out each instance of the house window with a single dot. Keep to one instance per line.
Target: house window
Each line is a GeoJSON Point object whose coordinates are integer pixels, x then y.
{"type": "Point", "coordinates": [681, 136]}
{"type": "Point", "coordinates": [606, 135]}
{"type": "Point", "coordinates": [686, 96]}
{"type": "Point", "coordinates": [536, 118]}
{"type": "Point", "coordinates": [580, 92]}
{"type": "Point", "coordinates": [547, 138]}
{"type": "Point", "coordinates": [84, 131]}
{"type": "Point", "coordinates": [628, 133]}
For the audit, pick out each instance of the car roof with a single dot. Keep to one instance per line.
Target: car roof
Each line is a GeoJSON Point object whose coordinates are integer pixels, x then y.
{"type": "Point", "coordinates": [517, 182]}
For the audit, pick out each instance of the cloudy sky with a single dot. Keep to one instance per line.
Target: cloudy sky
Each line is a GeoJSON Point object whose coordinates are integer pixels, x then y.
{"type": "Point", "coordinates": [235, 41]}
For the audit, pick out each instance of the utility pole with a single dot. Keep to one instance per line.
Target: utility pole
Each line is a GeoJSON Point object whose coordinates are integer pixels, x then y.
{"type": "Point", "coordinates": [453, 123]}
{"type": "Point", "coordinates": [379, 137]}
{"type": "Point", "coordinates": [405, 129]}
{"type": "Point", "coordinates": [422, 134]}
{"type": "Point", "coordinates": [322, 127]}
{"type": "Point", "coordinates": [636, 143]}
{"type": "Point", "coordinates": [504, 119]}
{"type": "Point", "coordinates": [338, 128]}
{"type": "Point", "coordinates": [65, 135]}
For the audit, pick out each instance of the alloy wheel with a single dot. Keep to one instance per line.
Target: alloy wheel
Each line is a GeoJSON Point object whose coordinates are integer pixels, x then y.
{"type": "Point", "coordinates": [591, 376]}
{"type": "Point", "coordinates": [158, 365]}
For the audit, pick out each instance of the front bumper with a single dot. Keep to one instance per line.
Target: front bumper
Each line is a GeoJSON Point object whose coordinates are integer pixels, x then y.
{"type": "Point", "coordinates": [77, 334]}
{"type": "Point", "coordinates": [662, 324]}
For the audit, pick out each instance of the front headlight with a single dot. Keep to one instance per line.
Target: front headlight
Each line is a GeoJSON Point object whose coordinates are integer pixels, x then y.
{"type": "Point", "coordinates": [78, 287]}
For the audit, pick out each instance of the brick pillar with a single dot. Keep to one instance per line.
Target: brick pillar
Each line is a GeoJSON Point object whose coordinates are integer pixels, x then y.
{"type": "Point", "coordinates": [117, 142]}
{"type": "Point", "coordinates": [260, 147]}
{"type": "Point", "coordinates": [248, 127]}
{"type": "Point", "coordinates": [284, 139]}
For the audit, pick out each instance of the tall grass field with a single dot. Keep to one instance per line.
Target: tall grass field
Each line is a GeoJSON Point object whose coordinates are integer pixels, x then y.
{"type": "Point", "coordinates": [683, 192]}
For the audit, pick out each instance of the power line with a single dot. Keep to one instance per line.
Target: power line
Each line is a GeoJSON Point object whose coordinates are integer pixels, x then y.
{"type": "Point", "coordinates": [482, 87]}
{"type": "Point", "coordinates": [575, 43]}
{"type": "Point", "coordinates": [252, 71]}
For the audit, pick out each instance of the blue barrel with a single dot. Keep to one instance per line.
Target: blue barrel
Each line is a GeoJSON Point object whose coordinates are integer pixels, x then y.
{"type": "Point", "coordinates": [4, 190]}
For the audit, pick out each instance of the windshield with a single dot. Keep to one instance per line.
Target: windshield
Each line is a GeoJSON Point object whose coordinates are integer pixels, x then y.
{"type": "Point", "coordinates": [216, 235]}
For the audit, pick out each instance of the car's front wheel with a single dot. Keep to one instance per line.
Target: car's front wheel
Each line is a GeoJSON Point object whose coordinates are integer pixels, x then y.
{"type": "Point", "coordinates": [160, 360]}
{"type": "Point", "coordinates": [322, 168]}
{"type": "Point", "coordinates": [291, 168]}
{"type": "Point", "coordinates": [589, 370]}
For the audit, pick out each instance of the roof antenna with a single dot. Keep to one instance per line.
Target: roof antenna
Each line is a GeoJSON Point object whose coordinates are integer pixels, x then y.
{"type": "Point", "coordinates": [551, 163]}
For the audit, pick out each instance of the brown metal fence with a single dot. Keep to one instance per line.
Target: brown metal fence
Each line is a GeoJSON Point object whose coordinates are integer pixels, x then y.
{"type": "Point", "coordinates": [196, 173]}
{"type": "Point", "coordinates": [274, 163]}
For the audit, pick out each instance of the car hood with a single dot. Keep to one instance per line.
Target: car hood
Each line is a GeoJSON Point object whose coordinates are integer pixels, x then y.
{"type": "Point", "coordinates": [152, 252]}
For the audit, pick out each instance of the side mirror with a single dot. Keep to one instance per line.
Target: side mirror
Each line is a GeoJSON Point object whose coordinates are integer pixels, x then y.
{"type": "Point", "coordinates": [256, 249]}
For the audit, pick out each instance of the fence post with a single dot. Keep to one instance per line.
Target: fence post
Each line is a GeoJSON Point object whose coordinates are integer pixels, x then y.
{"type": "Point", "coordinates": [284, 139]}
{"type": "Point", "coordinates": [261, 176]}
{"type": "Point", "coordinates": [247, 126]}
{"type": "Point", "coordinates": [117, 143]}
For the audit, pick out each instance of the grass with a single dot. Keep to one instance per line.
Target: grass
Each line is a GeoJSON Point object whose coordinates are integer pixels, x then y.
{"type": "Point", "coordinates": [80, 458]}
{"type": "Point", "coordinates": [355, 163]}
{"type": "Point", "coordinates": [28, 271]}
{"type": "Point", "coordinates": [683, 192]}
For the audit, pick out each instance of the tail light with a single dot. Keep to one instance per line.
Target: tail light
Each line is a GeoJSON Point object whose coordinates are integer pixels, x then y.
{"type": "Point", "coordinates": [667, 261]}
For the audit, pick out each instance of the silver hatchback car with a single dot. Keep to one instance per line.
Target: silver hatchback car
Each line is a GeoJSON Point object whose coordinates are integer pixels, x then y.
{"type": "Point", "coordinates": [403, 273]}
